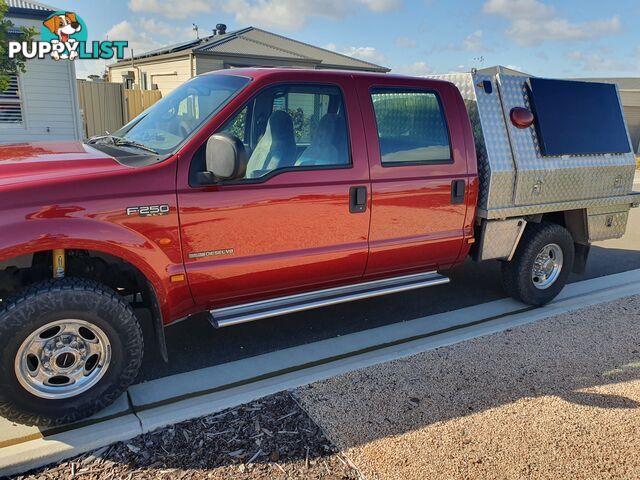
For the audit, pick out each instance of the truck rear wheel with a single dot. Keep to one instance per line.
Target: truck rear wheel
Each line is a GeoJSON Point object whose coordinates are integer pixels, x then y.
{"type": "Point", "coordinates": [541, 265]}
{"type": "Point", "coordinates": [68, 349]}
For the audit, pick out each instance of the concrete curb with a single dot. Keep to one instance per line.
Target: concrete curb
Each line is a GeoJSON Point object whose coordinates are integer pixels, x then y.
{"type": "Point", "coordinates": [180, 397]}
{"type": "Point", "coordinates": [36, 453]}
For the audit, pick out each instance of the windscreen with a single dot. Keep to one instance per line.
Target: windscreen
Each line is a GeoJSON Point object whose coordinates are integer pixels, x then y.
{"type": "Point", "coordinates": [578, 118]}
{"type": "Point", "coordinates": [165, 125]}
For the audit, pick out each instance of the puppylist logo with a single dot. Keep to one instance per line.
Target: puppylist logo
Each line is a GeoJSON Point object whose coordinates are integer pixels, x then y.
{"type": "Point", "coordinates": [64, 36]}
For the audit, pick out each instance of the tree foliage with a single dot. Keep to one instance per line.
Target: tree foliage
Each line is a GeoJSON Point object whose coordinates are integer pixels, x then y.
{"type": "Point", "coordinates": [9, 66]}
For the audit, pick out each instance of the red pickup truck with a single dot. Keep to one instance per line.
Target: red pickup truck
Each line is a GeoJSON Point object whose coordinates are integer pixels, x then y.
{"type": "Point", "coordinates": [250, 193]}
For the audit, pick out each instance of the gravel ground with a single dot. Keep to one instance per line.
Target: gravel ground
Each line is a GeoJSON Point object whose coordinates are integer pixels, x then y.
{"type": "Point", "coordinates": [559, 398]}
{"type": "Point", "coordinates": [269, 439]}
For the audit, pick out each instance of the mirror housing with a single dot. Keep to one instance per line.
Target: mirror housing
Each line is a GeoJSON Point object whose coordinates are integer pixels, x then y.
{"type": "Point", "coordinates": [226, 157]}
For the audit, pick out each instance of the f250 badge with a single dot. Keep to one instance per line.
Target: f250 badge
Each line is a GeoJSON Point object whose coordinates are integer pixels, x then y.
{"type": "Point", "coordinates": [148, 210]}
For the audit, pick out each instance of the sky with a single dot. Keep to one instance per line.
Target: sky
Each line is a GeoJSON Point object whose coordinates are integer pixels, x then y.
{"type": "Point", "coordinates": [568, 38]}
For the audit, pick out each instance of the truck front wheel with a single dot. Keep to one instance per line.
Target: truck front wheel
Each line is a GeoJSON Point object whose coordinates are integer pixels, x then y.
{"type": "Point", "coordinates": [541, 265]}
{"type": "Point", "coordinates": [68, 349]}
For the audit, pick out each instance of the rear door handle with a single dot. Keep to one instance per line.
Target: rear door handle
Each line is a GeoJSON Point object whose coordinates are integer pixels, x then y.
{"type": "Point", "coordinates": [457, 191]}
{"type": "Point", "coordinates": [357, 199]}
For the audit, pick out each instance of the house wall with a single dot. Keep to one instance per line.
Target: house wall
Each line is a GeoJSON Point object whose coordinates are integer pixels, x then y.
{"type": "Point", "coordinates": [629, 88]}
{"type": "Point", "coordinates": [166, 74]}
{"type": "Point", "coordinates": [632, 116]}
{"type": "Point", "coordinates": [49, 100]}
{"type": "Point", "coordinates": [631, 105]}
{"type": "Point", "coordinates": [206, 64]}
{"type": "Point", "coordinates": [209, 63]}
{"type": "Point", "coordinates": [169, 73]}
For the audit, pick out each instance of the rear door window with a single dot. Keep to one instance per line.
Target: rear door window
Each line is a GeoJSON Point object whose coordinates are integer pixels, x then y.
{"type": "Point", "coordinates": [411, 127]}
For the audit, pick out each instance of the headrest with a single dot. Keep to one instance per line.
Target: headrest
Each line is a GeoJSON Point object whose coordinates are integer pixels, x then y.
{"type": "Point", "coordinates": [280, 123]}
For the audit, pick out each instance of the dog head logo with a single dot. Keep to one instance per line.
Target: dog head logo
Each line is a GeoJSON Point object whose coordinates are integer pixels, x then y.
{"type": "Point", "coordinates": [64, 35]}
{"type": "Point", "coordinates": [63, 25]}
{"type": "Point", "coordinates": [66, 30]}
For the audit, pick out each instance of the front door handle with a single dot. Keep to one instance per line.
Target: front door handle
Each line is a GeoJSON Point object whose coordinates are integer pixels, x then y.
{"type": "Point", "coordinates": [457, 191]}
{"type": "Point", "coordinates": [357, 199]}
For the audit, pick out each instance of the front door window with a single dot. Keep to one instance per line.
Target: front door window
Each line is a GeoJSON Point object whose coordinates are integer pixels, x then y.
{"type": "Point", "coordinates": [291, 127]}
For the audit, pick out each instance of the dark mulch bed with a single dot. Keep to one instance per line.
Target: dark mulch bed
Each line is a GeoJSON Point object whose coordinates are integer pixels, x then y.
{"type": "Point", "coordinates": [268, 439]}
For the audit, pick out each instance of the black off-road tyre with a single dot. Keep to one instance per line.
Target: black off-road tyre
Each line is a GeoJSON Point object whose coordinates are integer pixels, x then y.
{"type": "Point", "coordinates": [68, 298]}
{"type": "Point", "coordinates": [517, 274]}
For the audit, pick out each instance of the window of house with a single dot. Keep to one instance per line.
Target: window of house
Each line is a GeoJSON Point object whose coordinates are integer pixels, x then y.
{"type": "Point", "coordinates": [288, 127]}
{"type": "Point", "coordinates": [411, 127]}
{"type": "Point", "coordinates": [11, 104]}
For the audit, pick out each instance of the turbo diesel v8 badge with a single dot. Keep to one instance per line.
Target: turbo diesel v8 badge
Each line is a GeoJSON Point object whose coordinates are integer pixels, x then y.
{"type": "Point", "coordinates": [212, 253]}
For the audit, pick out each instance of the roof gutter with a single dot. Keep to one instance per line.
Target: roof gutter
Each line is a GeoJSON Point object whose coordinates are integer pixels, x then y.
{"type": "Point", "coordinates": [310, 61]}
{"type": "Point", "coordinates": [153, 59]}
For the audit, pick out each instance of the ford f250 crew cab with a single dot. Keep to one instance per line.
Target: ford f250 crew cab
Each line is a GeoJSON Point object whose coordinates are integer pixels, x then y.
{"type": "Point", "coordinates": [251, 193]}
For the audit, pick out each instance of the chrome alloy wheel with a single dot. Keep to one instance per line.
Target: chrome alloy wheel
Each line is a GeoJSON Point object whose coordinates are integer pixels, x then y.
{"type": "Point", "coordinates": [547, 266]}
{"type": "Point", "coordinates": [63, 359]}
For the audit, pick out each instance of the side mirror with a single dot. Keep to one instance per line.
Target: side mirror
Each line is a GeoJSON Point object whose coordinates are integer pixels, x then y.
{"type": "Point", "coordinates": [226, 158]}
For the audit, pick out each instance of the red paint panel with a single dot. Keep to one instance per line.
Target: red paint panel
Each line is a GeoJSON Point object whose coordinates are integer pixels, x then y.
{"type": "Point", "coordinates": [76, 197]}
{"type": "Point", "coordinates": [290, 233]}
{"type": "Point", "coordinates": [414, 224]}
{"type": "Point", "coordinates": [283, 238]}
{"type": "Point", "coordinates": [46, 162]}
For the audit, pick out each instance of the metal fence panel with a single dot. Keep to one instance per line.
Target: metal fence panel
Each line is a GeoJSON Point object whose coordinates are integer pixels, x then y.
{"type": "Point", "coordinates": [107, 106]}
{"type": "Point", "coordinates": [139, 100]}
{"type": "Point", "coordinates": [102, 106]}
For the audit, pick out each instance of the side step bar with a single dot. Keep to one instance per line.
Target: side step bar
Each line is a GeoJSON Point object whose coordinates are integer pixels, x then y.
{"type": "Point", "coordinates": [228, 316]}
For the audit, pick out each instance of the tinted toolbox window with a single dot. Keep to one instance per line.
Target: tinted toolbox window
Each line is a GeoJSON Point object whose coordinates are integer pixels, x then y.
{"type": "Point", "coordinates": [577, 118]}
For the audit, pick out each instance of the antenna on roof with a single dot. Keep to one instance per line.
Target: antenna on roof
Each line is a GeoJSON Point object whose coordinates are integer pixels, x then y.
{"type": "Point", "coordinates": [195, 29]}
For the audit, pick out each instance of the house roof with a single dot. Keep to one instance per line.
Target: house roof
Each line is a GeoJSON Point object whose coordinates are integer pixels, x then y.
{"type": "Point", "coordinates": [29, 8]}
{"type": "Point", "coordinates": [256, 42]}
{"type": "Point", "coordinates": [501, 69]}
{"type": "Point", "coordinates": [30, 5]}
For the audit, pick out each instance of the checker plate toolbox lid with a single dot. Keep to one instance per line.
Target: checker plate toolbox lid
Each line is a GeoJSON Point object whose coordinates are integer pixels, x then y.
{"type": "Point", "coordinates": [516, 178]}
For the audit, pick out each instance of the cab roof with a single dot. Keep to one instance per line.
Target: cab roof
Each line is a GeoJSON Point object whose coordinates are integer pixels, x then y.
{"type": "Point", "coordinates": [256, 73]}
